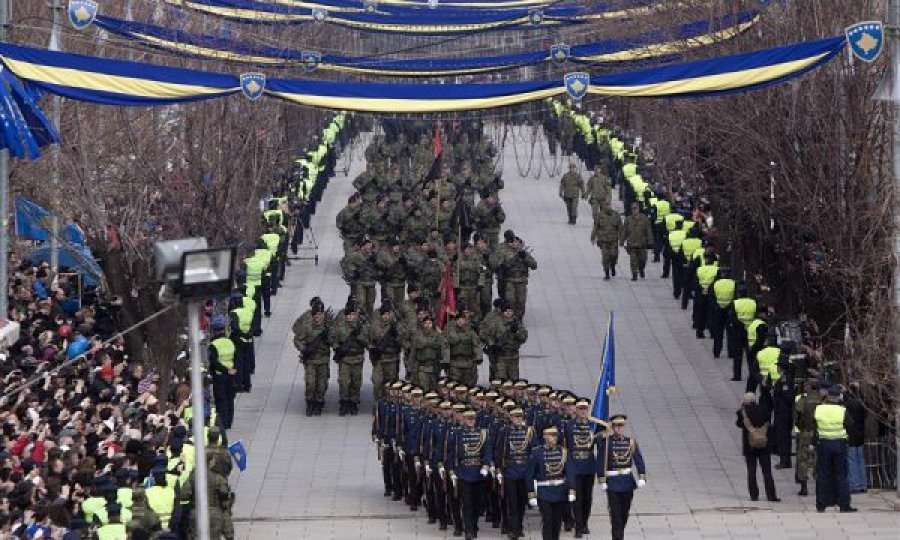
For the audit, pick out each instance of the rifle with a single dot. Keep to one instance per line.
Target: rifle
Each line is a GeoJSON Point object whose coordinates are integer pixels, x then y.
{"type": "Point", "coordinates": [310, 348]}
{"type": "Point", "coordinates": [341, 351]}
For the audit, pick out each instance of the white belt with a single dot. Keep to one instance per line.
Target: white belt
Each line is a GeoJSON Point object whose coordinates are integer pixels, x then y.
{"type": "Point", "coordinates": [618, 472]}
{"type": "Point", "coordinates": [548, 483]}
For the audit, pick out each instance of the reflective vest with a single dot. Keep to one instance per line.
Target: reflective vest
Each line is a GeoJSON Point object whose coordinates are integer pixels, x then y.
{"type": "Point", "coordinates": [745, 308]}
{"type": "Point", "coordinates": [161, 500]}
{"type": "Point", "coordinates": [629, 170]}
{"type": "Point", "coordinates": [706, 274]}
{"type": "Point", "coordinates": [676, 238]}
{"type": "Point", "coordinates": [272, 241]}
{"type": "Point", "coordinates": [767, 360]}
{"type": "Point", "coordinates": [830, 421]}
{"type": "Point", "coordinates": [225, 350]}
{"type": "Point", "coordinates": [265, 257]}
{"type": "Point", "coordinates": [244, 316]}
{"type": "Point", "coordinates": [724, 291]}
{"type": "Point", "coordinates": [751, 330]}
{"type": "Point", "coordinates": [277, 214]}
{"type": "Point", "coordinates": [673, 221]}
{"type": "Point", "coordinates": [112, 531]}
{"type": "Point", "coordinates": [663, 209]}
{"type": "Point", "coordinates": [123, 497]}
{"type": "Point", "coordinates": [689, 246]}
{"type": "Point", "coordinates": [92, 506]}
{"type": "Point", "coordinates": [249, 302]}
{"type": "Point", "coordinates": [687, 225]}
{"type": "Point", "coordinates": [255, 269]}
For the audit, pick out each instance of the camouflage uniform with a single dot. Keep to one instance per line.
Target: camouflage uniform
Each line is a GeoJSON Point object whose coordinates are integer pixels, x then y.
{"type": "Point", "coordinates": [311, 341]}
{"type": "Point", "coordinates": [349, 348]}
{"type": "Point", "coordinates": [637, 237]}
{"type": "Point", "coordinates": [392, 275]}
{"type": "Point", "coordinates": [571, 187]}
{"type": "Point", "coordinates": [598, 192]}
{"type": "Point", "coordinates": [607, 228]}
{"type": "Point", "coordinates": [488, 220]}
{"type": "Point", "coordinates": [515, 267]}
{"type": "Point", "coordinates": [468, 273]}
{"type": "Point", "coordinates": [384, 341]}
{"type": "Point", "coordinates": [426, 351]}
{"type": "Point", "coordinates": [350, 226]}
{"type": "Point", "coordinates": [804, 421]}
{"type": "Point", "coordinates": [464, 349]}
{"type": "Point", "coordinates": [361, 273]}
{"type": "Point", "coordinates": [504, 338]}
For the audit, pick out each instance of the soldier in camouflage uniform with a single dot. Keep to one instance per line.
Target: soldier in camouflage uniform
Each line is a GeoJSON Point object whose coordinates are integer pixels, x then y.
{"type": "Point", "coordinates": [464, 349]}
{"type": "Point", "coordinates": [468, 273]}
{"type": "Point", "coordinates": [571, 188]}
{"type": "Point", "coordinates": [515, 262]}
{"type": "Point", "coordinates": [361, 273]}
{"type": "Point", "coordinates": [311, 341]}
{"type": "Point", "coordinates": [598, 191]}
{"type": "Point", "coordinates": [606, 233]}
{"type": "Point", "coordinates": [347, 340]}
{"type": "Point", "coordinates": [348, 222]}
{"type": "Point", "coordinates": [637, 237]}
{"type": "Point", "coordinates": [805, 422]}
{"type": "Point", "coordinates": [374, 220]}
{"type": "Point", "coordinates": [426, 351]}
{"type": "Point", "coordinates": [391, 265]}
{"type": "Point", "coordinates": [142, 516]}
{"type": "Point", "coordinates": [503, 338]}
{"type": "Point", "coordinates": [383, 336]}
{"type": "Point", "coordinates": [489, 217]}
{"type": "Point", "coordinates": [220, 499]}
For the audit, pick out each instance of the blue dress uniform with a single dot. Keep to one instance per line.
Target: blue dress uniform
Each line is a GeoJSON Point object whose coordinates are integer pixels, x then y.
{"type": "Point", "coordinates": [384, 432]}
{"type": "Point", "coordinates": [581, 442]}
{"type": "Point", "coordinates": [426, 437]}
{"type": "Point", "coordinates": [471, 454]}
{"type": "Point", "coordinates": [454, 505]}
{"type": "Point", "coordinates": [412, 419]}
{"type": "Point", "coordinates": [617, 456]}
{"type": "Point", "coordinates": [436, 455]}
{"type": "Point", "coordinates": [494, 511]}
{"type": "Point", "coordinates": [547, 481]}
{"type": "Point", "coordinates": [512, 451]}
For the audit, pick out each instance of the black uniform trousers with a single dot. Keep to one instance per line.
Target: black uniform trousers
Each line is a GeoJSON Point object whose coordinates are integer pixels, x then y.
{"type": "Point", "coordinates": [223, 395]}
{"type": "Point", "coordinates": [678, 270]}
{"type": "Point", "coordinates": [244, 363]}
{"type": "Point", "coordinates": [659, 239]}
{"type": "Point", "coordinates": [832, 486]}
{"type": "Point", "coordinates": [439, 498]}
{"type": "Point", "coordinates": [413, 483]}
{"type": "Point", "coordinates": [715, 321]}
{"type": "Point", "coordinates": [454, 503]}
{"type": "Point", "coordinates": [551, 518]}
{"type": "Point", "coordinates": [516, 498]}
{"type": "Point", "coordinates": [398, 476]}
{"type": "Point", "coordinates": [266, 292]}
{"type": "Point", "coordinates": [470, 498]}
{"type": "Point", "coordinates": [688, 285]}
{"type": "Point", "coordinates": [619, 508]}
{"type": "Point", "coordinates": [584, 492]}
{"type": "Point", "coordinates": [739, 332]}
{"type": "Point", "coordinates": [701, 308]}
{"type": "Point", "coordinates": [256, 323]}
{"type": "Point", "coordinates": [387, 460]}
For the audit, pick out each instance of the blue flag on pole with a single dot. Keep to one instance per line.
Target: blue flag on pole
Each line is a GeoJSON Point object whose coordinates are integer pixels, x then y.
{"type": "Point", "coordinates": [32, 221]}
{"type": "Point", "coordinates": [239, 454]}
{"type": "Point", "coordinates": [606, 384]}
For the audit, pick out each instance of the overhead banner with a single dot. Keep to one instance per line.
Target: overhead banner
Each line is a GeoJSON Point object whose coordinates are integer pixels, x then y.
{"type": "Point", "coordinates": [116, 82]}
{"type": "Point", "coordinates": [654, 44]}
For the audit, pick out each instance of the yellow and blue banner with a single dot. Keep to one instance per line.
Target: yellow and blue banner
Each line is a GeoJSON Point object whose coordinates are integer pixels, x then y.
{"type": "Point", "coordinates": [656, 44]}
{"type": "Point", "coordinates": [606, 382]}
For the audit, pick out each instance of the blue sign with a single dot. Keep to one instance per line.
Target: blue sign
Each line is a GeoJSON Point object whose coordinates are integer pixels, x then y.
{"type": "Point", "coordinates": [577, 84]}
{"type": "Point", "coordinates": [371, 5]}
{"type": "Point", "coordinates": [866, 40]}
{"type": "Point", "coordinates": [82, 13]}
{"type": "Point", "coordinates": [239, 454]}
{"type": "Point", "coordinates": [560, 52]}
{"type": "Point", "coordinates": [310, 59]}
{"type": "Point", "coordinates": [319, 14]}
{"type": "Point", "coordinates": [536, 17]}
{"type": "Point", "coordinates": [253, 85]}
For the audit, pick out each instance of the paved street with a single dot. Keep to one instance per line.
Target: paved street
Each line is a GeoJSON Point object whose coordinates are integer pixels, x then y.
{"type": "Point", "coordinates": [318, 478]}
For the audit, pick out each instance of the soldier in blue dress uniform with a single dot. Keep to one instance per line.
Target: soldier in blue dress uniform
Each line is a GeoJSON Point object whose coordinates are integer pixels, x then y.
{"type": "Point", "coordinates": [429, 424]}
{"type": "Point", "coordinates": [512, 451]}
{"type": "Point", "coordinates": [451, 487]}
{"type": "Point", "coordinates": [471, 455]}
{"type": "Point", "coordinates": [617, 456]}
{"type": "Point", "coordinates": [411, 416]}
{"type": "Point", "coordinates": [384, 429]}
{"type": "Point", "coordinates": [550, 489]}
{"type": "Point", "coordinates": [581, 442]}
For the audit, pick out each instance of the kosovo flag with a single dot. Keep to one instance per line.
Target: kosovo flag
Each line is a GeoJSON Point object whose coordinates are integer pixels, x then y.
{"type": "Point", "coordinates": [32, 221]}
{"type": "Point", "coordinates": [239, 454]}
{"type": "Point", "coordinates": [606, 385]}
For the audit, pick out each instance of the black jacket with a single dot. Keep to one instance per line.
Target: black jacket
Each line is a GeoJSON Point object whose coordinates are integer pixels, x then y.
{"type": "Point", "coordinates": [758, 414]}
{"type": "Point", "coordinates": [856, 428]}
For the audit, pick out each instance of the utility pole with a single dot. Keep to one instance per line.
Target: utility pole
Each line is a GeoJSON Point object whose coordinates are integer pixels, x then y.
{"type": "Point", "coordinates": [4, 190]}
{"type": "Point", "coordinates": [201, 495]}
{"type": "Point", "coordinates": [893, 41]}
{"type": "Point", "coordinates": [56, 116]}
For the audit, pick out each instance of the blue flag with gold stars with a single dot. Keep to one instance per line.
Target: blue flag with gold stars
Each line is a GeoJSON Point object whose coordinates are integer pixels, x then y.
{"type": "Point", "coordinates": [606, 384]}
{"type": "Point", "coordinates": [32, 220]}
{"type": "Point", "coordinates": [238, 454]}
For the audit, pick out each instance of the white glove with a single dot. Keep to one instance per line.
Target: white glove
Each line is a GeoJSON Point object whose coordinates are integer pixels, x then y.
{"type": "Point", "coordinates": [492, 469]}
{"type": "Point", "coordinates": [571, 497]}
{"type": "Point", "coordinates": [453, 478]}
{"type": "Point", "coordinates": [641, 483]}
{"type": "Point", "coordinates": [427, 469]}
{"type": "Point", "coordinates": [441, 472]}
{"type": "Point", "coordinates": [603, 486]}
{"type": "Point", "coordinates": [401, 453]}
{"type": "Point", "coordinates": [500, 477]}
{"type": "Point", "coordinates": [484, 471]}
{"type": "Point", "coordinates": [532, 503]}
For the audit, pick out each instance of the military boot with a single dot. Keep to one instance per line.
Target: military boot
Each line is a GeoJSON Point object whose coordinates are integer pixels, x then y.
{"type": "Point", "coordinates": [342, 411]}
{"type": "Point", "coordinates": [310, 408]}
{"type": "Point", "coordinates": [634, 276]}
{"type": "Point", "coordinates": [803, 488]}
{"type": "Point", "coordinates": [606, 274]}
{"type": "Point", "coordinates": [613, 271]}
{"type": "Point", "coordinates": [320, 405]}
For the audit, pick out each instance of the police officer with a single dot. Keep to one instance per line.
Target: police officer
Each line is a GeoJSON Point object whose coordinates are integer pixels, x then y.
{"type": "Point", "coordinates": [515, 441]}
{"type": "Point", "coordinates": [671, 245]}
{"type": "Point", "coordinates": [311, 339]}
{"type": "Point", "coordinates": [580, 441]}
{"type": "Point", "coordinates": [221, 365]}
{"type": "Point", "coordinates": [606, 232]}
{"type": "Point", "coordinates": [242, 335]}
{"type": "Point", "coordinates": [637, 236]}
{"type": "Point", "coordinates": [659, 210]}
{"type": "Point", "coordinates": [831, 420]}
{"type": "Point", "coordinates": [717, 316]}
{"type": "Point", "coordinates": [617, 456]}
{"type": "Point", "coordinates": [547, 480]}
{"type": "Point", "coordinates": [571, 188]}
{"type": "Point", "coordinates": [706, 273]}
{"type": "Point", "coordinates": [742, 313]}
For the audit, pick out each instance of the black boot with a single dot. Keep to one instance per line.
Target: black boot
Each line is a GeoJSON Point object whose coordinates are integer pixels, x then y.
{"type": "Point", "coordinates": [310, 408]}
{"type": "Point", "coordinates": [803, 488]}
{"type": "Point", "coordinates": [353, 408]}
{"type": "Point", "coordinates": [606, 272]}
{"type": "Point", "coordinates": [642, 274]}
{"type": "Point", "coordinates": [633, 276]}
{"type": "Point", "coordinates": [613, 271]}
{"type": "Point", "coordinates": [342, 411]}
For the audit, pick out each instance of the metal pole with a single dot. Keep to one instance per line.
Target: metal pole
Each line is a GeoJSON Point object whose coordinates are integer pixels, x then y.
{"type": "Point", "coordinates": [56, 116]}
{"type": "Point", "coordinates": [893, 38]}
{"type": "Point", "coordinates": [201, 498]}
{"type": "Point", "coordinates": [4, 192]}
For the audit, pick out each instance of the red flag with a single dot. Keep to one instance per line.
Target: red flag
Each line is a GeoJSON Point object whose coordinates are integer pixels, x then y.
{"type": "Point", "coordinates": [448, 297]}
{"type": "Point", "coordinates": [438, 145]}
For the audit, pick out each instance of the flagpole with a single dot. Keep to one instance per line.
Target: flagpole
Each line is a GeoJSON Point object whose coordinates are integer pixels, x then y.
{"type": "Point", "coordinates": [55, 45]}
{"type": "Point", "coordinates": [4, 192]}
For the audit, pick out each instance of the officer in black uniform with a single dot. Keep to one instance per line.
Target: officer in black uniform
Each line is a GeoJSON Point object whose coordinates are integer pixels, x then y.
{"type": "Point", "coordinates": [617, 457]}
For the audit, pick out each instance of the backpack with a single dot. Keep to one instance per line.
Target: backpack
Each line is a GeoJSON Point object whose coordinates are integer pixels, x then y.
{"type": "Point", "coordinates": [757, 437]}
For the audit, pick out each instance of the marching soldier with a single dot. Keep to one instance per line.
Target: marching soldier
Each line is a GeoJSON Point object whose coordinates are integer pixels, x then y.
{"type": "Point", "coordinates": [571, 188]}
{"type": "Point", "coordinates": [486, 276]}
{"type": "Point", "coordinates": [546, 478]}
{"type": "Point", "coordinates": [349, 224]}
{"type": "Point", "coordinates": [504, 337]}
{"type": "Point", "coordinates": [513, 450]}
{"type": "Point", "coordinates": [413, 417]}
{"type": "Point", "coordinates": [606, 232]}
{"type": "Point", "coordinates": [617, 456]}
{"type": "Point", "coordinates": [391, 266]}
{"type": "Point", "coordinates": [598, 191]}
{"type": "Point", "coordinates": [489, 217]}
{"type": "Point", "coordinates": [464, 348]}
{"type": "Point", "coordinates": [382, 335]}
{"type": "Point", "coordinates": [361, 273]}
{"type": "Point", "coordinates": [311, 339]}
{"type": "Point", "coordinates": [425, 353]}
{"type": "Point", "coordinates": [471, 453]}
{"type": "Point", "coordinates": [515, 264]}
{"type": "Point", "coordinates": [345, 336]}
{"type": "Point", "coordinates": [637, 237]}
{"type": "Point", "coordinates": [804, 421]}
{"type": "Point", "coordinates": [468, 274]}
{"type": "Point", "coordinates": [581, 443]}
{"type": "Point", "coordinates": [384, 433]}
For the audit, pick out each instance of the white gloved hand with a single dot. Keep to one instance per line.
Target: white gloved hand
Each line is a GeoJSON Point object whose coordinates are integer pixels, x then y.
{"type": "Point", "coordinates": [484, 471]}
{"type": "Point", "coordinates": [532, 503]}
{"type": "Point", "coordinates": [401, 453]}
{"type": "Point", "coordinates": [493, 470]}
{"type": "Point", "coordinates": [571, 497]}
{"type": "Point", "coordinates": [603, 486]}
{"type": "Point", "coordinates": [500, 477]}
{"type": "Point", "coordinates": [441, 472]}
{"type": "Point", "coordinates": [641, 483]}
{"type": "Point", "coordinates": [453, 478]}
{"type": "Point", "coordinates": [427, 469]}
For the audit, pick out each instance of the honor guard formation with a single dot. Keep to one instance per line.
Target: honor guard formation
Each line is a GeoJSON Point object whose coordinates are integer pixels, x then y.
{"type": "Point", "coordinates": [466, 453]}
